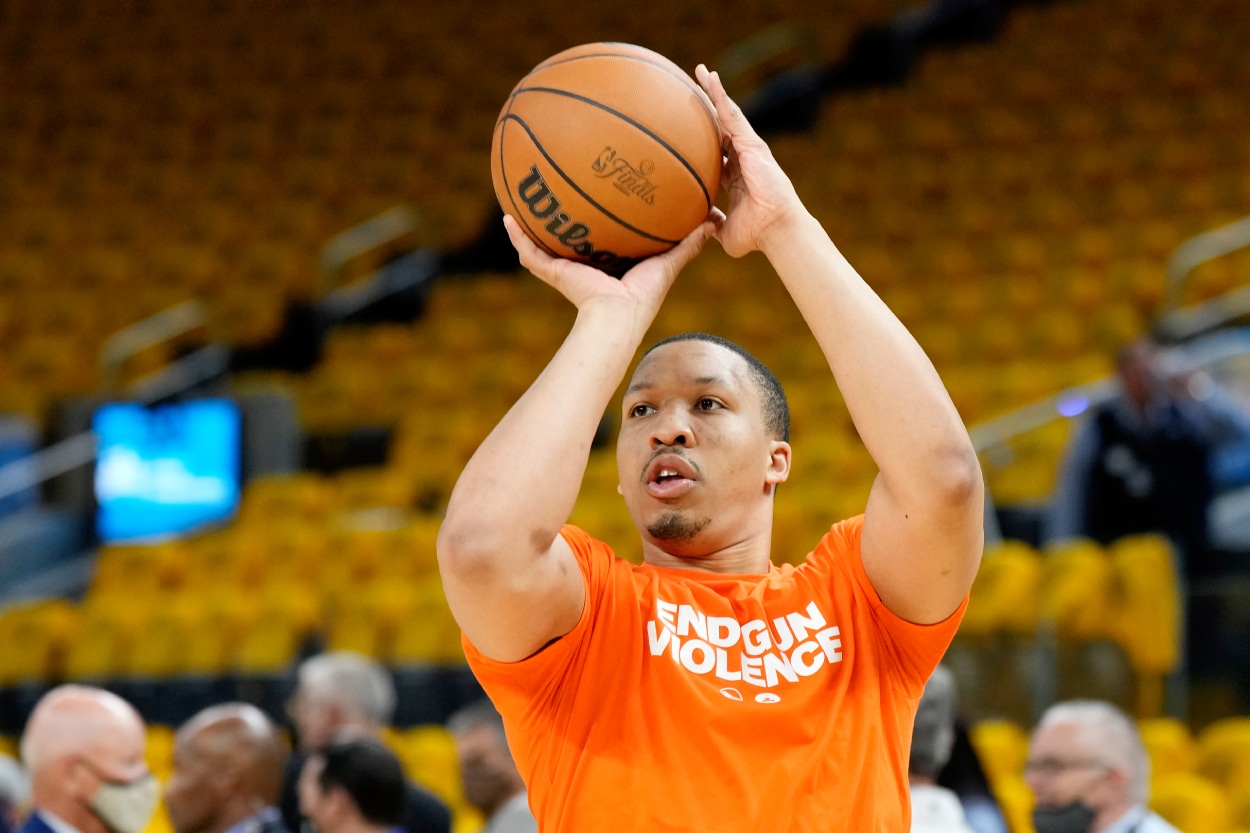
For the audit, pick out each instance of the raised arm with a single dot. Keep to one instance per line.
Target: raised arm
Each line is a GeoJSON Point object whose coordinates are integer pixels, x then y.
{"type": "Point", "coordinates": [923, 526]}
{"type": "Point", "coordinates": [512, 581]}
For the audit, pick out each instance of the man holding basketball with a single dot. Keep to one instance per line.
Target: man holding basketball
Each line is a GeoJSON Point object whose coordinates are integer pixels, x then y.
{"type": "Point", "coordinates": [709, 689]}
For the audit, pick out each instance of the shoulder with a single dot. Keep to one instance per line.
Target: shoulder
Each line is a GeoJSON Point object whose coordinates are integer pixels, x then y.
{"type": "Point", "coordinates": [35, 824]}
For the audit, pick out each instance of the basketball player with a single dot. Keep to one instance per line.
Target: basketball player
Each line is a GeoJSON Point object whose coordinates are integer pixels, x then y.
{"type": "Point", "coordinates": [710, 689]}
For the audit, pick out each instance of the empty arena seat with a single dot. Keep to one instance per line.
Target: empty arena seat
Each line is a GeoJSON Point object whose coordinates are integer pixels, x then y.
{"type": "Point", "coordinates": [1191, 803]}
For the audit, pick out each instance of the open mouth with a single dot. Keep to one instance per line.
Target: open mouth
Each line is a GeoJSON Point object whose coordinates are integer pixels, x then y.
{"type": "Point", "coordinates": [670, 476]}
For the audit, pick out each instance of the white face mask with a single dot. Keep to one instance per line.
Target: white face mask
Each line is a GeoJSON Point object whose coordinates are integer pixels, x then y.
{"type": "Point", "coordinates": [126, 808]}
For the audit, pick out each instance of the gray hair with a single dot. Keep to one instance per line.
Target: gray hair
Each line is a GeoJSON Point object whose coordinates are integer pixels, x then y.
{"type": "Point", "coordinates": [933, 734]}
{"type": "Point", "coordinates": [479, 713]}
{"type": "Point", "coordinates": [351, 681]}
{"type": "Point", "coordinates": [1114, 733]}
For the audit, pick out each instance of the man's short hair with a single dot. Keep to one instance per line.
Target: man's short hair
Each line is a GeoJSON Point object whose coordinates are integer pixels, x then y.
{"type": "Point", "coordinates": [933, 734]}
{"type": "Point", "coordinates": [772, 396]}
{"type": "Point", "coordinates": [369, 773]}
{"type": "Point", "coordinates": [1115, 735]}
{"type": "Point", "coordinates": [353, 681]}
{"type": "Point", "coordinates": [479, 713]}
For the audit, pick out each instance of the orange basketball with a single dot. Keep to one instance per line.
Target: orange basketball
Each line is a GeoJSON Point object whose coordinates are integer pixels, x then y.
{"type": "Point", "coordinates": [607, 153]}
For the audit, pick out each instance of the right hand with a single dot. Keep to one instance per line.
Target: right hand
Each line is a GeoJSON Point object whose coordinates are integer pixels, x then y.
{"type": "Point", "coordinates": [643, 287]}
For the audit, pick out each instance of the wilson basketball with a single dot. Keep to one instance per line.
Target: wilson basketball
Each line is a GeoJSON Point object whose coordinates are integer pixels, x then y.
{"type": "Point", "coordinates": [607, 153]}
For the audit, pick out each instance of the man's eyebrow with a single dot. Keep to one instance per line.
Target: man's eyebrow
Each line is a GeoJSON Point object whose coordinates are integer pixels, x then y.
{"type": "Point", "coordinates": [700, 381]}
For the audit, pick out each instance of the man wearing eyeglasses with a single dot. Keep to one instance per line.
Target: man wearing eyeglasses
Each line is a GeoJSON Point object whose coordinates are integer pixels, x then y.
{"type": "Point", "coordinates": [1089, 772]}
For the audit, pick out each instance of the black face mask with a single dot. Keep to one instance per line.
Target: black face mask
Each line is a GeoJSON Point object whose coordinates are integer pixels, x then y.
{"type": "Point", "coordinates": [1070, 818]}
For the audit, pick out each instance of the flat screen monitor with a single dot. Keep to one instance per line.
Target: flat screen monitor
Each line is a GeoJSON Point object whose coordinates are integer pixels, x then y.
{"type": "Point", "coordinates": [167, 470]}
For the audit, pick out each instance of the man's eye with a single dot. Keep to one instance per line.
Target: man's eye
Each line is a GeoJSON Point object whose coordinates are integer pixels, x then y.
{"type": "Point", "coordinates": [640, 410]}
{"type": "Point", "coordinates": [707, 404]}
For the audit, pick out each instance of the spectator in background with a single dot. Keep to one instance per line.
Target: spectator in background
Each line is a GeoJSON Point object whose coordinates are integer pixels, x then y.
{"type": "Point", "coordinates": [1089, 772]}
{"type": "Point", "coordinates": [343, 695]}
{"type": "Point", "coordinates": [353, 786]}
{"type": "Point", "coordinates": [1146, 460]}
{"type": "Point", "coordinates": [14, 794]}
{"type": "Point", "coordinates": [934, 809]}
{"type": "Point", "coordinates": [84, 748]}
{"type": "Point", "coordinates": [487, 772]}
{"type": "Point", "coordinates": [228, 763]}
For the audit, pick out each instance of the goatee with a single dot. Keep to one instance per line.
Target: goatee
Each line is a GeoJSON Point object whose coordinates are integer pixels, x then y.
{"type": "Point", "coordinates": [676, 527]}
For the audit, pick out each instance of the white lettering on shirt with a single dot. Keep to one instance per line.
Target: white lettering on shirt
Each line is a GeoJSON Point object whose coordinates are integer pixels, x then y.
{"type": "Point", "coordinates": [795, 646]}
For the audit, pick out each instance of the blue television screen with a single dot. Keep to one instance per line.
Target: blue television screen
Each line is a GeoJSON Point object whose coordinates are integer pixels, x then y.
{"type": "Point", "coordinates": [162, 471]}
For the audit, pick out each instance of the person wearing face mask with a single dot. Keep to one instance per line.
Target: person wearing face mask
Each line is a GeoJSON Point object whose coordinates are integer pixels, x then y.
{"type": "Point", "coordinates": [84, 748]}
{"type": "Point", "coordinates": [487, 772]}
{"type": "Point", "coordinates": [1089, 772]}
{"type": "Point", "coordinates": [353, 786]}
{"type": "Point", "coordinates": [228, 762]}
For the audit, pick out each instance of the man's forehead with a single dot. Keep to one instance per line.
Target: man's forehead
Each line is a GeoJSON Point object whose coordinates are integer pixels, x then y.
{"type": "Point", "coordinates": [690, 360]}
{"type": "Point", "coordinates": [1068, 736]}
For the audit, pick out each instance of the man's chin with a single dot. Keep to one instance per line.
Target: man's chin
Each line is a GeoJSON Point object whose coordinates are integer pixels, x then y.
{"type": "Point", "coordinates": [675, 528]}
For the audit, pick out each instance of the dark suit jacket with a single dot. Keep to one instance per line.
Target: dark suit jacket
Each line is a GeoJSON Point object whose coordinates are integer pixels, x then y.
{"type": "Point", "coordinates": [425, 813]}
{"type": "Point", "coordinates": [34, 824]}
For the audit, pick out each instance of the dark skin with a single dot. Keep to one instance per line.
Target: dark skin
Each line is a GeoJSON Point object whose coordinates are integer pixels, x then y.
{"type": "Point", "coordinates": [228, 764]}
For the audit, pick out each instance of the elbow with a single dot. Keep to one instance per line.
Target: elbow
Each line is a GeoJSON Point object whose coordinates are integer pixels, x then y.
{"type": "Point", "coordinates": [462, 550]}
{"type": "Point", "coordinates": [473, 550]}
{"type": "Point", "coordinates": [957, 476]}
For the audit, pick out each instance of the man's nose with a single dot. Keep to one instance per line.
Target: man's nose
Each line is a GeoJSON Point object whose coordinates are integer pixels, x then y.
{"type": "Point", "coordinates": [671, 427]}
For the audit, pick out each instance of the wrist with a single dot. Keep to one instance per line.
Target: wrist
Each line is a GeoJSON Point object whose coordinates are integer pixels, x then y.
{"type": "Point", "coordinates": [616, 321]}
{"type": "Point", "coordinates": [791, 224]}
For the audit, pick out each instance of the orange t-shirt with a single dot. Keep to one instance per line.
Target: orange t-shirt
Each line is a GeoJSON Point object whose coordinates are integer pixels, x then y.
{"type": "Point", "coordinates": [694, 702]}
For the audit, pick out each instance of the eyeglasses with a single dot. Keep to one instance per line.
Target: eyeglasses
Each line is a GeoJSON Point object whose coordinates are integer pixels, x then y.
{"type": "Point", "coordinates": [1054, 766]}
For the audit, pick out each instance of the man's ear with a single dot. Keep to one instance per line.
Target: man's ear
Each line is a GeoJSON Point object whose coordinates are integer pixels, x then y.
{"type": "Point", "coordinates": [778, 463]}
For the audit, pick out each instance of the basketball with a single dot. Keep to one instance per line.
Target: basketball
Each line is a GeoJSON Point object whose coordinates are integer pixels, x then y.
{"type": "Point", "coordinates": [607, 153]}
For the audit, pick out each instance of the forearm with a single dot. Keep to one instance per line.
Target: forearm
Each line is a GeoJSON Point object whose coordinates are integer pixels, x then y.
{"type": "Point", "coordinates": [521, 484]}
{"type": "Point", "coordinates": [897, 401]}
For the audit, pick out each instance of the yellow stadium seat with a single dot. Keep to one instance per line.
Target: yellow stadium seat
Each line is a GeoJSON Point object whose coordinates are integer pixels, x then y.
{"type": "Point", "coordinates": [1077, 591]}
{"type": "Point", "coordinates": [1016, 800]}
{"type": "Point", "coordinates": [1169, 745]}
{"type": "Point", "coordinates": [160, 750]}
{"type": "Point", "coordinates": [429, 634]}
{"type": "Point", "coordinates": [1191, 803]}
{"type": "Point", "coordinates": [161, 649]}
{"type": "Point", "coordinates": [1005, 592]}
{"type": "Point", "coordinates": [36, 639]}
{"type": "Point", "coordinates": [1224, 753]}
{"type": "Point", "coordinates": [1001, 747]}
{"type": "Point", "coordinates": [1148, 620]}
{"type": "Point", "coordinates": [429, 756]}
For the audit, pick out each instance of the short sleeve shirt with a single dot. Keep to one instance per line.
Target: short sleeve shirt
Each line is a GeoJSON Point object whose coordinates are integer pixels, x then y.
{"type": "Point", "coordinates": [689, 701]}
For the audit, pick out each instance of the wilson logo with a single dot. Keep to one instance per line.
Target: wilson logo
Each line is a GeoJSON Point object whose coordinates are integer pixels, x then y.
{"type": "Point", "coordinates": [543, 205]}
{"type": "Point", "coordinates": [628, 178]}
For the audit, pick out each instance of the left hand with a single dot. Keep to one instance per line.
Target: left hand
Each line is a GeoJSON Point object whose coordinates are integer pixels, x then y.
{"type": "Point", "coordinates": [761, 196]}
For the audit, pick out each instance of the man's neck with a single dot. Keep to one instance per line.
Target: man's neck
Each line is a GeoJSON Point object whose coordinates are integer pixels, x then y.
{"type": "Point", "coordinates": [66, 811]}
{"type": "Point", "coordinates": [362, 826]}
{"type": "Point", "coordinates": [234, 813]}
{"type": "Point", "coordinates": [743, 558]}
{"type": "Point", "coordinates": [1106, 818]}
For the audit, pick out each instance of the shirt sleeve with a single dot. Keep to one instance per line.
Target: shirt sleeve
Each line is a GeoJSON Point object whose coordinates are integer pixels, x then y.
{"type": "Point", "coordinates": [537, 682]}
{"type": "Point", "coordinates": [915, 650]}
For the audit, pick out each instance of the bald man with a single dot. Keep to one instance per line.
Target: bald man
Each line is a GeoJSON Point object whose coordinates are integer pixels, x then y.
{"type": "Point", "coordinates": [84, 748]}
{"type": "Point", "coordinates": [1089, 772]}
{"type": "Point", "coordinates": [228, 763]}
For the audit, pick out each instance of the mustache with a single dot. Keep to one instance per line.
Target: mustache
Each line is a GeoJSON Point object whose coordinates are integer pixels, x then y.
{"type": "Point", "coordinates": [673, 451]}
